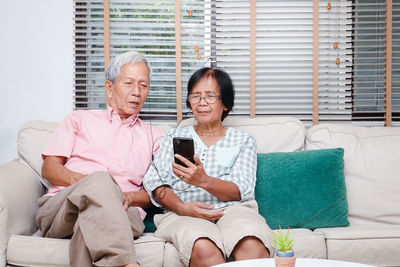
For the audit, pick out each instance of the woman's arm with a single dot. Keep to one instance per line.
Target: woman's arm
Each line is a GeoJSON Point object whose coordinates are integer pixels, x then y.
{"type": "Point", "coordinates": [166, 197]}
{"type": "Point", "coordinates": [194, 174]}
{"type": "Point", "coordinates": [239, 184]}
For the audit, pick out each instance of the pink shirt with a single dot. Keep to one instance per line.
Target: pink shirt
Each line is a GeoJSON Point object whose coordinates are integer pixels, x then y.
{"type": "Point", "coordinates": [97, 140]}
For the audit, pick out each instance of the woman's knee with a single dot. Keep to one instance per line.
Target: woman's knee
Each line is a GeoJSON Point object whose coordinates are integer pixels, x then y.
{"type": "Point", "coordinates": [250, 247]}
{"type": "Point", "coordinates": [204, 248]}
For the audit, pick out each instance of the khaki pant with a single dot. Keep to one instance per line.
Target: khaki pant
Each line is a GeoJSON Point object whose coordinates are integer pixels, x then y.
{"type": "Point", "coordinates": [91, 213]}
{"type": "Point", "coordinates": [238, 221]}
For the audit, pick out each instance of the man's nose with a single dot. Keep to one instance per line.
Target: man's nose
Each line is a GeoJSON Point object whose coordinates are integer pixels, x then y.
{"type": "Point", "coordinates": [135, 90]}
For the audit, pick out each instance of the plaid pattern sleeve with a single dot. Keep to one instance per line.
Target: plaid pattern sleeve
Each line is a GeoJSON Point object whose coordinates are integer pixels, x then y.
{"type": "Point", "coordinates": [233, 158]}
{"type": "Point", "coordinates": [244, 168]}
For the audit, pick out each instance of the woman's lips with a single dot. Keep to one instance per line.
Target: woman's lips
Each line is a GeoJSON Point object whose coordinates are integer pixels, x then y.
{"type": "Point", "coordinates": [202, 112]}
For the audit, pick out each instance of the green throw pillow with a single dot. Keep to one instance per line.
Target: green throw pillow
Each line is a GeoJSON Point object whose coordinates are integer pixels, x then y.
{"type": "Point", "coordinates": [303, 189]}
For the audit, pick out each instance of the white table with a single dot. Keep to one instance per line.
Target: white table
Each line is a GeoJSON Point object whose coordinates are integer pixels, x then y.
{"type": "Point", "coordinates": [300, 262]}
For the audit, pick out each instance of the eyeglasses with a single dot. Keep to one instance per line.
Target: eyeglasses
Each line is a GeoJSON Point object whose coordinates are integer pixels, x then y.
{"type": "Point", "coordinates": [209, 98]}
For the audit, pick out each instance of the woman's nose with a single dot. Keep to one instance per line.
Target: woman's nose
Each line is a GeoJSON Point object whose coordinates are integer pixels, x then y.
{"type": "Point", "coordinates": [203, 101]}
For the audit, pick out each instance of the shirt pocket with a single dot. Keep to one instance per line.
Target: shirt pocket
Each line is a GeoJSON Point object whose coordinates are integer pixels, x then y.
{"type": "Point", "coordinates": [226, 157]}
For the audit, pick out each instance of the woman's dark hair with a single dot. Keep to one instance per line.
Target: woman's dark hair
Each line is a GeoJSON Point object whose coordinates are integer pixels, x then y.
{"type": "Point", "coordinates": [226, 89]}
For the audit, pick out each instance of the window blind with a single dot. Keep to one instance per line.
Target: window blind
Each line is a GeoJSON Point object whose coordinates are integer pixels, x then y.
{"type": "Point", "coordinates": [217, 33]}
{"type": "Point", "coordinates": [284, 56]}
{"type": "Point", "coordinates": [89, 55]}
{"type": "Point", "coordinates": [144, 26]}
{"type": "Point", "coordinates": [369, 59]}
{"type": "Point", "coordinates": [195, 42]}
{"type": "Point", "coordinates": [396, 61]}
{"type": "Point", "coordinates": [149, 28]}
{"type": "Point", "coordinates": [284, 31]}
{"type": "Point", "coordinates": [335, 60]}
{"type": "Point", "coordinates": [229, 48]}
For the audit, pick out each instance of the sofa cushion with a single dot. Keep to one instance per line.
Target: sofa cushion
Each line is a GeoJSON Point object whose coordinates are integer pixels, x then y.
{"type": "Point", "coordinates": [378, 246]}
{"type": "Point", "coordinates": [309, 244]}
{"type": "Point", "coordinates": [32, 138]}
{"type": "Point", "coordinates": [39, 251]}
{"type": "Point", "coordinates": [171, 256]}
{"type": "Point", "coordinates": [302, 189]}
{"type": "Point", "coordinates": [372, 168]}
{"type": "Point", "coordinates": [273, 134]}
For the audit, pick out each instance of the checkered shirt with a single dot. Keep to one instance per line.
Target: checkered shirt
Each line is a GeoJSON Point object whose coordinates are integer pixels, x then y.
{"type": "Point", "coordinates": [233, 158]}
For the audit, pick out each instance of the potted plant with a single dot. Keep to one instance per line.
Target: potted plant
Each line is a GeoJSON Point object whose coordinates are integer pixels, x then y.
{"type": "Point", "coordinates": [283, 243]}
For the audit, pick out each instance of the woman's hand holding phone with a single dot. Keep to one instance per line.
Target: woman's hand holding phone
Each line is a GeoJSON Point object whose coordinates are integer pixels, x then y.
{"type": "Point", "coordinates": [193, 174]}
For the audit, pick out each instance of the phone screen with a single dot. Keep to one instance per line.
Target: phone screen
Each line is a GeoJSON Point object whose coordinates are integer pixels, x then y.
{"type": "Point", "coordinates": [183, 146]}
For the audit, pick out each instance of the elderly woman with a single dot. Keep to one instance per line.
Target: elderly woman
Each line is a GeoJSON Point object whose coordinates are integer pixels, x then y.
{"type": "Point", "coordinates": [210, 212]}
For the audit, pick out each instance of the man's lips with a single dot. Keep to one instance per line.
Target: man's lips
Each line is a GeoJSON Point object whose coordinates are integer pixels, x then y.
{"type": "Point", "coordinates": [134, 103]}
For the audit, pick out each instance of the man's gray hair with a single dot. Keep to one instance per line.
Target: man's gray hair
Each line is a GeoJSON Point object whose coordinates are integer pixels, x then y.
{"type": "Point", "coordinates": [114, 68]}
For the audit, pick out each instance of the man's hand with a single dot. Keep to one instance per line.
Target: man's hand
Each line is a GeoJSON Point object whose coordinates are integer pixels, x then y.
{"type": "Point", "coordinates": [200, 210]}
{"type": "Point", "coordinates": [193, 174]}
{"type": "Point", "coordinates": [128, 199]}
{"type": "Point", "coordinates": [137, 199]}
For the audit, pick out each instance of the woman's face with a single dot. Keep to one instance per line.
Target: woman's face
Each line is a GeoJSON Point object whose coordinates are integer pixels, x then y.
{"type": "Point", "coordinates": [203, 111]}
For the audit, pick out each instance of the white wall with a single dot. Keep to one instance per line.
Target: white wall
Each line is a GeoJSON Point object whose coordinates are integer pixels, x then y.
{"type": "Point", "coordinates": [36, 65]}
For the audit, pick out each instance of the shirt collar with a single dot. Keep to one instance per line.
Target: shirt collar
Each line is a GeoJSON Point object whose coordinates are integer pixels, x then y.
{"type": "Point", "coordinates": [112, 114]}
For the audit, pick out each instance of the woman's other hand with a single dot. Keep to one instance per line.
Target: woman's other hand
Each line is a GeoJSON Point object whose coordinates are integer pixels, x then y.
{"type": "Point", "coordinates": [193, 174]}
{"type": "Point", "coordinates": [200, 210]}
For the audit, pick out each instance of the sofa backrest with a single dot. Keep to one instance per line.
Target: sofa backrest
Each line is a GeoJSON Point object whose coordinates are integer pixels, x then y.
{"type": "Point", "coordinates": [371, 168]}
{"type": "Point", "coordinates": [272, 134]}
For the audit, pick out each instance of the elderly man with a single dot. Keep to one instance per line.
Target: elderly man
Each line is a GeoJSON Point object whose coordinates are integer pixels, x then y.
{"type": "Point", "coordinates": [95, 162]}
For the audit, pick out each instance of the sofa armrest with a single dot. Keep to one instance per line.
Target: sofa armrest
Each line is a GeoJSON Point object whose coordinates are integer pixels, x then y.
{"type": "Point", "coordinates": [20, 188]}
{"type": "Point", "coordinates": [4, 236]}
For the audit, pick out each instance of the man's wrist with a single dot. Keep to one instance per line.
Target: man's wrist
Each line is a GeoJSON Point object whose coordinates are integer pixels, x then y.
{"type": "Point", "coordinates": [76, 178]}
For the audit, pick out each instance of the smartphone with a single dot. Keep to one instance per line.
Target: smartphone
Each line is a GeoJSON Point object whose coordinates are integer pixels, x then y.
{"type": "Point", "coordinates": [183, 146]}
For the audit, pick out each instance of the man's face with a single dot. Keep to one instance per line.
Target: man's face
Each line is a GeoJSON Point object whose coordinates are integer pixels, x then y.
{"type": "Point", "coordinates": [129, 91]}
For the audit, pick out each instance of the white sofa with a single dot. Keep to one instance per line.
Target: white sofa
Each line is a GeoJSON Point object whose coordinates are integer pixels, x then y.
{"type": "Point", "coordinates": [372, 177]}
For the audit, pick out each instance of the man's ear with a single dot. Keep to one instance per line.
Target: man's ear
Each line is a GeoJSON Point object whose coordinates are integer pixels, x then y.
{"type": "Point", "coordinates": [108, 84]}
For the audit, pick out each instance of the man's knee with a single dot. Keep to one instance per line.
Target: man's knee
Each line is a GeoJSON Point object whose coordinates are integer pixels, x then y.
{"type": "Point", "coordinates": [99, 182]}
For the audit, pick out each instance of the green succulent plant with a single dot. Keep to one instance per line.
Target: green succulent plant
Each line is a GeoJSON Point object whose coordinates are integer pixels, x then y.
{"type": "Point", "coordinates": [283, 241]}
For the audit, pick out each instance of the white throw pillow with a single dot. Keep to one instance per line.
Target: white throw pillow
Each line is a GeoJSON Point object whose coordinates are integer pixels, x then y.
{"type": "Point", "coordinates": [371, 168]}
{"type": "Point", "coordinates": [32, 138]}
